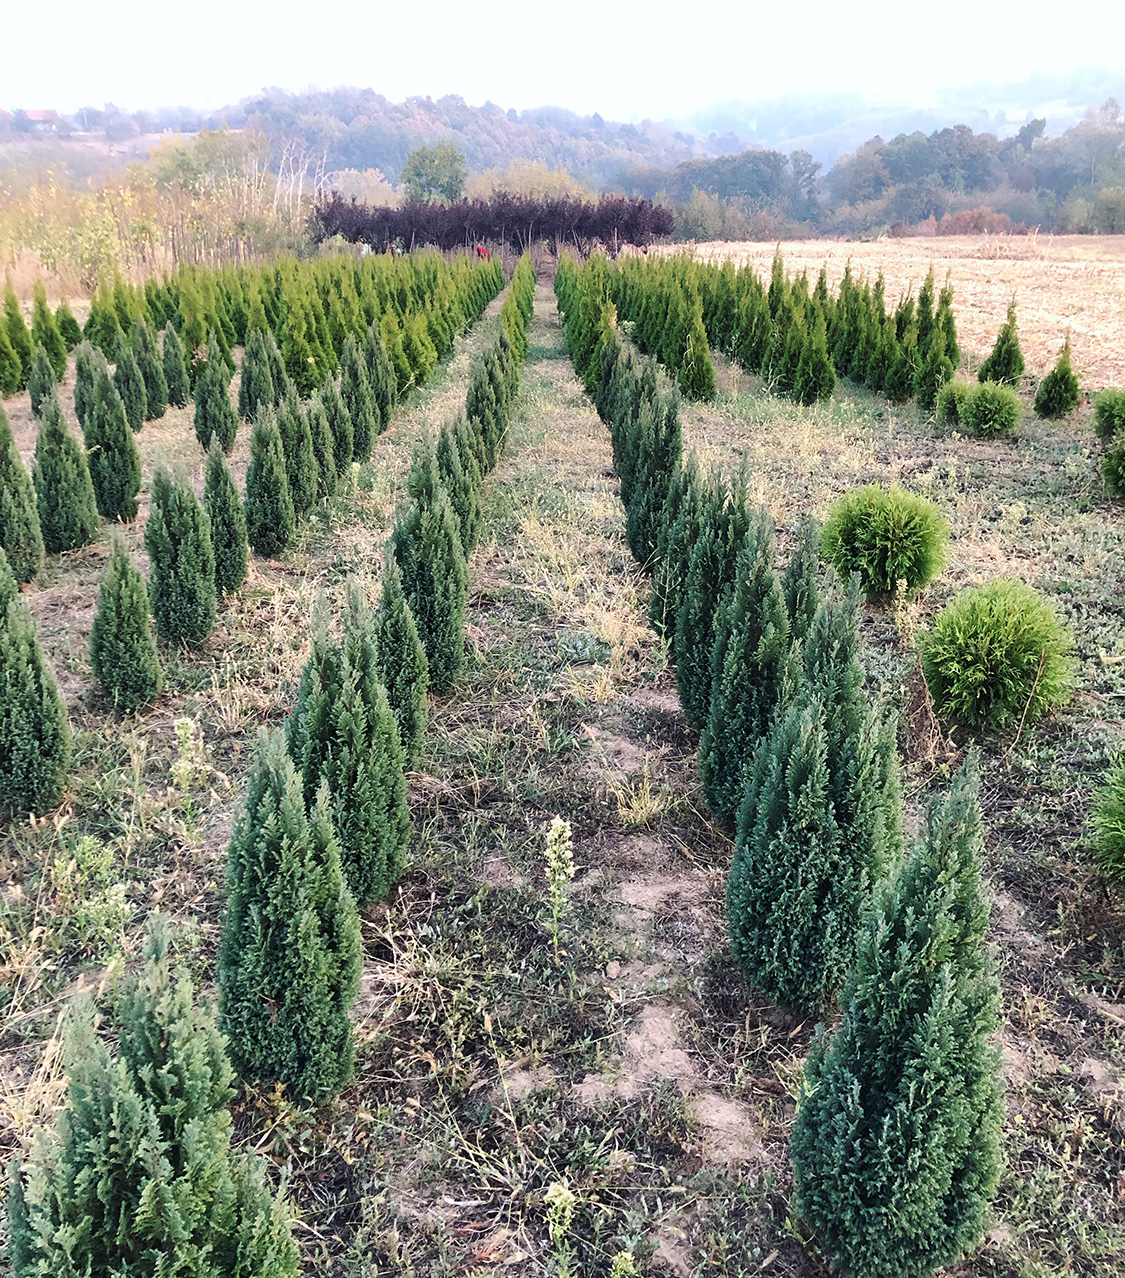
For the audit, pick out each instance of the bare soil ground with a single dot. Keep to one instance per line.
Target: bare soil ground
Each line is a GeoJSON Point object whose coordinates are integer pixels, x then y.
{"type": "Point", "coordinates": [1074, 282]}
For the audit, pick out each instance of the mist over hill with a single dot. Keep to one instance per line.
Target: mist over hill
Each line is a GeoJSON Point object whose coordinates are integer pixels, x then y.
{"type": "Point", "coordinates": [829, 124]}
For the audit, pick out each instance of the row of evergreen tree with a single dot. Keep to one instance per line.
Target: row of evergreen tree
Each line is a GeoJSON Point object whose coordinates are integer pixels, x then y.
{"type": "Point", "coordinates": [56, 333]}
{"type": "Point", "coordinates": [802, 767]}
{"type": "Point", "coordinates": [198, 551]}
{"type": "Point", "coordinates": [420, 303]}
{"type": "Point", "coordinates": [800, 337]}
{"type": "Point", "coordinates": [146, 1135]}
{"type": "Point", "coordinates": [326, 821]}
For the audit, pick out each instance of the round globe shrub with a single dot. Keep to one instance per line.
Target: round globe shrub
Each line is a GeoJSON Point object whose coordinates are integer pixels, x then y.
{"type": "Point", "coordinates": [887, 535]}
{"type": "Point", "coordinates": [996, 656]}
{"type": "Point", "coordinates": [1107, 821]}
{"type": "Point", "coordinates": [1109, 412]}
{"type": "Point", "coordinates": [950, 401]}
{"type": "Point", "coordinates": [990, 409]}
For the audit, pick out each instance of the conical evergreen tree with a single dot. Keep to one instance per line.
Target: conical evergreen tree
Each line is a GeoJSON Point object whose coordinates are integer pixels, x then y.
{"type": "Point", "coordinates": [747, 673]}
{"type": "Point", "coordinates": [710, 569]}
{"type": "Point", "coordinates": [11, 370]}
{"type": "Point", "coordinates": [821, 821]}
{"type": "Point", "coordinates": [88, 363]}
{"type": "Point", "coordinates": [485, 413]}
{"type": "Point", "coordinates": [356, 391]}
{"type": "Point", "coordinates": [342, 735]}
{"type": "Point", "coordinates": [151, 369]}
{"type": "Point", "coordinates": [115, 464]}
{"type": "Point", "coordinates": [300, 458]}
{"type": "Point", "coordinates": [41, 383]}
{"type": "Point", "coordinates": [462, 486]}
{"type": "Point", "coordinates": [271, 523]}
{"type": "Point", "coordinates": [1005, 364]}
{"type": "Point", "coordinates": [948, 324]}
{"type": "Point", "coordinates": [278, 376]}
{"type": "Point", "coordinates": [228, 523]}
{"type": "Point", "coordinates": [45, 332]}
{"type": "Point", "coordinates": [881, 355]}
{"type": "Point", "coordinates": [427, 546]}
{"type": "Point", "coordinates": [182, 558]}
{"type": "Point", "coordinates": [34, 730]}
{"type": "Point", "coordinates": [19, 336]}
{"type": "Point", "coordinates": [255, 385]}
{"type": "Point", "coordinates": [297, 353]}
{"type": "Point", "coordinates": [815, 379]}
{"type": "Point", "coordinates": [1058, 391]}
{"type": "Point", "coordinates": [146, 1139]}
{"type": "Point", "coordinates": [381, 376]}
{"type": "Point", "coordinates": [896, 1145]}
{"type": "Point", "coordinates": [21, 537]}
{"type": "Point", "coordinates": [102, 324]}
{"type": "Point", "coordinates": [320, 432]}
{"type": "Point", "coordinates": [926, 311]}
{"type": "Point", "coordinates": [175, 369]}
{"type": "Point", "coordinates": [674, 544]}
{"type": "Point", "coordinates": [391, 332]}
{"type": "Point", "coordinates": [130, 385]}
{"type": "Point", "coordinates": [898, 385]}
{"type": "Point", "coordinates": [215, 417]}
{"type": "Point", "coordinates": [122, 648]}
{"type": "Point", "coordinates": [934, 369]}
{"type": "Point", "coordinates": [401, 663]}
{"type": "Point", "coordinates": [68, 326]}
{"type": "Point", "coordinates": [340, 425]}
{"type": "Point", "coordinates": [290, 958]}
{"type": "Point", "coordinates": [68, 510]}
{"type": "Point", "coordinates": [696, 373]}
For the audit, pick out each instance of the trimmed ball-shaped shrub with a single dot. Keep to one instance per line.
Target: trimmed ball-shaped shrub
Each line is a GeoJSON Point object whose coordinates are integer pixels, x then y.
{"type": "Point", "coordinates": [990, 409]}
{"type": "Point", "coordinates": [950, 402]}
{"type": "Point", "coordinates": [1107, 821]}
{"type": "Point", "coordinates": [1109, 412]}
{"type": "Point", "coordinates": [887, 535]}
{"type": "Point", "coordinates": [997, 656]}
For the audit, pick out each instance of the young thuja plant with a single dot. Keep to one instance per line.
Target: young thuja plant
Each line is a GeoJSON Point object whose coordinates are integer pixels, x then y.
{"type": "Point", "coordinates": [560, 1199]}
{"type": "Point", "coordinates": [559, 861]}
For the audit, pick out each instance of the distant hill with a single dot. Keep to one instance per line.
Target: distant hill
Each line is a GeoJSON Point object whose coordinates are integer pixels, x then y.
{"type": "Point", "coordinates": [830, 124]}
{"type": "Point", "coordinates": [361, 129]}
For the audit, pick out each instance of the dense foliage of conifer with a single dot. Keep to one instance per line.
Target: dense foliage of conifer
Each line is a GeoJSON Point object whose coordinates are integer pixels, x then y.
{"type": "Point", "coordinates": [290, 957]}
{"type": "Point", "coordinates": [342, 735]}
{"type": "Point", "coordinates": [1057, 394]}
{"type": "Point", "coordinates": [67, 507]}
{"type": "Point", "coordinates": [123, 654]}
{"type": "Point", "coordinates": [1005, 364]}
{"type": "Point", "coordinates": [228, 523]}
{"type": "Point", "coordinates": [35, 740]}
{"type": "Point", "coordinates": [21, 537]}
{"type": "Point", "coordinates": [401, 662]}
{"type": "Point", "coordinates": [896, 1144]}
{"type": "Point", "coordinates": [145, 1139]}
{"type": "Point", "coordinates": [271, 521]}
{"type": "Point", "coordinates": [821, 821]}
{"type": "Point", "coordinates": [115, 464]}
{"type": "Point", "coordinates": [182, 560]}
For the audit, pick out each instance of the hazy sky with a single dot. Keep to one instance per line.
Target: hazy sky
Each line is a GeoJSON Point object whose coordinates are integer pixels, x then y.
{"type": "Point", "coordinates": [624, 60]}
